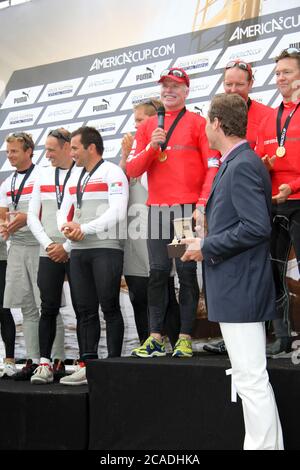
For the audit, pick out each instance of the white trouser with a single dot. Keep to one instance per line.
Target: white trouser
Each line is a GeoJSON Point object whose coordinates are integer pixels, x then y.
{"type": "Point", "coordinates": [21, 290]}
{"type": "Point", "coordinates": [31, 334]}
{"type": "Point", "coordinates": [246, 346]}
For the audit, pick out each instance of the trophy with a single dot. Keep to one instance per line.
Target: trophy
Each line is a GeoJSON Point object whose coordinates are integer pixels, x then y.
{"type": "Point", "coordinates": [183, 229]}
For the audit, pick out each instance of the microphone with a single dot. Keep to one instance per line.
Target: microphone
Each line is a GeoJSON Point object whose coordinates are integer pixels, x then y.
{"type": "Point", "coordinates": [161, 119]}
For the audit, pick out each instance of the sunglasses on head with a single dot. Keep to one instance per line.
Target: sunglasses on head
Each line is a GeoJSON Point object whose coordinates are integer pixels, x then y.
{"type": "Point", "coordinates": [22, 135]}
{"type": "Point", "coordinates": [175, 73]}
{"type": "Point", "coordinates": [59, 135]}
{"type": "Point", "coordinates": [292, 50]}
{"type": "Point", "coordinates": [149, 103]}
{"type": "Point", "coordinates": [240, 65]}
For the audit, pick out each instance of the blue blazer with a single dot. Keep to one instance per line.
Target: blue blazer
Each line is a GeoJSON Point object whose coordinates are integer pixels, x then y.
{"type": "Point", "coordinates": [237, 266]}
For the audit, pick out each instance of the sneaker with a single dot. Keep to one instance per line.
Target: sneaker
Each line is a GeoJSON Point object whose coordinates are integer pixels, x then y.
{"type": "Point", "coordinates": [43, 374]}
{"type": "Point", "coordinates": [183, 348]}
{"type": "Point", "coordinates": [26, 372]}
{"type": "Point", "coordinates": [59, 370]}
{"type": "Point", "coordinates": [218, 347]}
{"type": "Point", "coordinates": [281, 347]}
{"type": "Point", "coordinates": [77, 378]}
{"type": "Point", "coordinates": [9, 370]}
{"type": "Point", "coordinates": [150, 348]}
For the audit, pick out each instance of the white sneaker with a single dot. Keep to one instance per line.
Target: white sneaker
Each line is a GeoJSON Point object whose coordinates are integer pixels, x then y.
{"type": "Point", "coordinates": [43, 374]}
{"type": "Point", "coordinates": [9, 370]}
{"type": "Point", "coordinates": [77, 378]}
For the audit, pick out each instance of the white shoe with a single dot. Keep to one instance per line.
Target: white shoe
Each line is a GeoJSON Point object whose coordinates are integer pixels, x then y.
{"type": "Point", "coordinates": [77, 378]}
{"type": "Point", "coordinates": [43, 374]}
{"type": "Point", "coordinates": [9, 370]}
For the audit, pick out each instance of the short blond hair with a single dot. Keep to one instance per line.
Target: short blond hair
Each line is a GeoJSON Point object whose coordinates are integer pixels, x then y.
{"type": "Point", "coordinates": [23, 137]}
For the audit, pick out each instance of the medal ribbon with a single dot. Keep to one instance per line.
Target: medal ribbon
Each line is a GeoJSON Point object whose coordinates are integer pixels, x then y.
{"type": "Point", "coordinates": [281, 134]}
{"type": "Point", "coordinates": [60, 194]}
{"type": "Point", "coordinates": [16, 197]}
{"type": "Point", "coordinates": [80, 189]}
{"type": "Point", "coordinates": [170, 131]}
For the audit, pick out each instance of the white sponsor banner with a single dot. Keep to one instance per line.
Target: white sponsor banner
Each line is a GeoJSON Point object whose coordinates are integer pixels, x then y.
{"type": "Point", "coordinates": [35, 133]}
{"type": "Point", "coordinates": [277, 101]}
{"type": "Point", "coordinates": [220, 89]}
{"type": "Point", "coordinates": [263, 97]}
{"type": "Point", "coordinates": [22, 97]}
{"type": "Point", "coordinates": [101, 82]}
{"type": "Point", "coordinates": [7, 166]}
{"type": "Point", "coordinates": [111, 148]}
{"type": "Point", "coordinates": [72, 126]}
{"type": "Point", "coordinates": [107, 126]}
{"type": "Point", "coordinates": [196, 63]}
{"type": "Point", "coordinates": [141, 95]}
{"type": "Point", "coordinates": [60, 90]}
{"type": "Point", "coordinates": [102, 104]}
{"type": "Point", "coordinates": [134, 56]}
{"type": "Point", "coordinates": [249, 51]}
{"type": "Point", "coordinates": [200, 87]}
{"type": "Point", "coordinates": [289, 40]}
{"type": "Point", "coordinates": [146, 73]}
{"type": "Point", "coordinates": [129, 126]}
{"type": "Point", "coordinates": [60, 112]}
{"type": "Point", "coordinates": [37, 155]}
{"type": "Point", "coordinates": [200, 107]}
{"type": "Point", "coordinates": [22, 118]}
{"type": "Point", "coordinates": [261, 74]}
{"type": "Point", "coordinates": [44, 161]}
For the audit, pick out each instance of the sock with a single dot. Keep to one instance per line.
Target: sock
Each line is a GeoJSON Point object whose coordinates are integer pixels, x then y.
{"type": "Point", "coordinates": [44, 360]}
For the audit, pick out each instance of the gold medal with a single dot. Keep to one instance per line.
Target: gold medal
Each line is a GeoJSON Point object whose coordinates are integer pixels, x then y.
{"type": "Point", "coordinates": [280, 151]}
{"type": "Point", "coordinates": [163, 157]}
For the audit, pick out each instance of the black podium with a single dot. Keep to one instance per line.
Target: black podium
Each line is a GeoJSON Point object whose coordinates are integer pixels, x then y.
{"type": "Point", "coordinates": [179, 404]}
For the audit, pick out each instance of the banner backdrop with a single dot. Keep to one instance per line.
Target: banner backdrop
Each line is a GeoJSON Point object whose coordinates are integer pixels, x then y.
{"type": "Point", "coordinates": [100, 90]}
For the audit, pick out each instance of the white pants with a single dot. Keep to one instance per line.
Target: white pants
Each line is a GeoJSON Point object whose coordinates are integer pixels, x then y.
{"type": "Point", "coordinates": [246, 346]}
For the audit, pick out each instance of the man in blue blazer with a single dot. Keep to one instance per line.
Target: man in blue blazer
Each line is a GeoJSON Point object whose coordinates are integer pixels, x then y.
{"type": "Point", "coordinates": [238, 275]}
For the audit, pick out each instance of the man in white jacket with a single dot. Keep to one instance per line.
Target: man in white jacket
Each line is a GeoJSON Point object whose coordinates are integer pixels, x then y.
{"type": "Point", "coordinates": [21, 290]}
{"type": "Point", "coordinates": [98, 199]}
{"type": "Point", "coordinates": [54, 266]}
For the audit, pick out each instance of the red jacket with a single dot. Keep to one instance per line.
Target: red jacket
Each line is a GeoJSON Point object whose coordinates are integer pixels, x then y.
{"type": "Point", "coordinates": [286, 170]}
{"type": "Point", "coordinates": [187, 174]}
{"type": "Point", "coordinates": [256, 114]}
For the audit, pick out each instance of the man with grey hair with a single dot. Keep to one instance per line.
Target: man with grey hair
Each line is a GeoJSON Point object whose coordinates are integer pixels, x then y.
{"type": "Point", "coordinates": [180, 171]}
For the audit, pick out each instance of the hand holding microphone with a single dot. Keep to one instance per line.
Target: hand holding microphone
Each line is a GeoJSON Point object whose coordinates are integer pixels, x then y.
{"type": "Point", "coordinates": [158, 137]}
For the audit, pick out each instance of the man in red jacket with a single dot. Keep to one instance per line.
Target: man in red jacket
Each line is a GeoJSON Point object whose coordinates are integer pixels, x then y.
{"type": "Point", "coordinates": [278, 145]}
{"type": "Point", "coordinates": [180, 169]}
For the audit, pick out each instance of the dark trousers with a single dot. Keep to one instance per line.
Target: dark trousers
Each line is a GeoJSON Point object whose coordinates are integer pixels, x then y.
{"type": "Point", "coordinates": [285, 233]}
{"type": "Point", "coordinates": [137, 289]}
{"type": "Point", "coordinates": [138, 294]}
{"type": "Point", "coordinates": [8, 327]}
{"type": "Point", "coordinates": [51, 277]}
{"type": "Point", "coordinates": [96, 277]}
{"type": "Point", "coordinates": [160, 233]}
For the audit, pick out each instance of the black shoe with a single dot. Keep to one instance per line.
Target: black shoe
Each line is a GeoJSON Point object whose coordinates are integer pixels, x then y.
{"type": "Point", "coordinates": [216, 348]}
{"type": "Point", "coordinates": [59, 370]}
{"type": "Point", "coordinates": [281, 347]}
{"type": "Point", "coordinates": [26, 372]}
